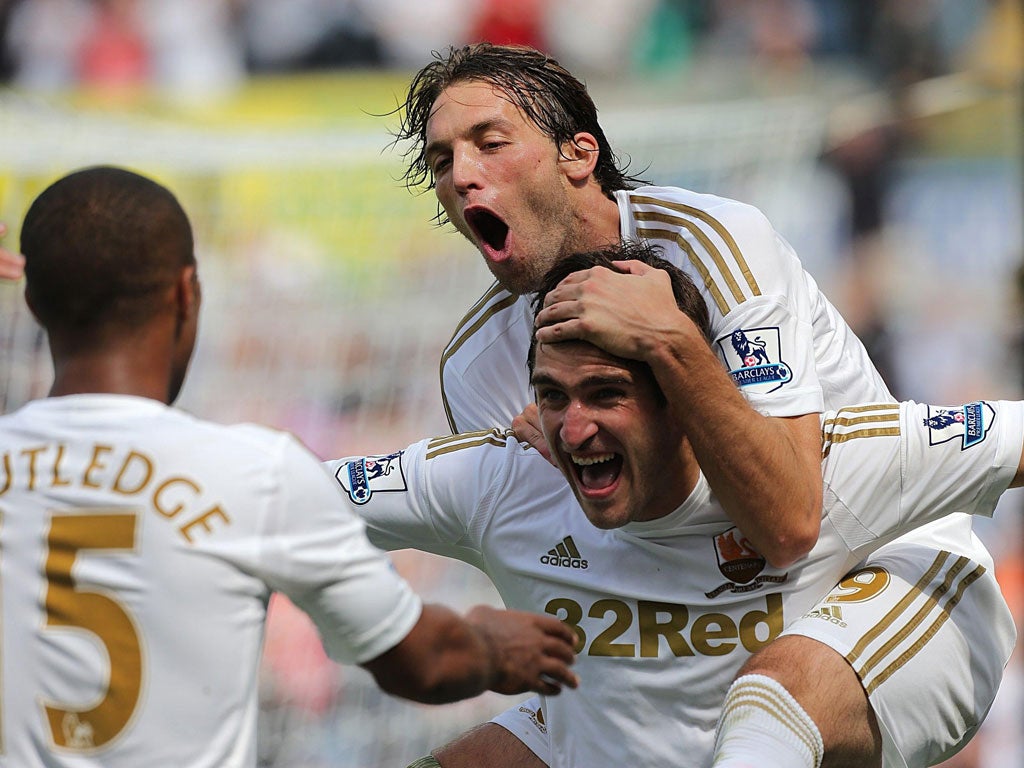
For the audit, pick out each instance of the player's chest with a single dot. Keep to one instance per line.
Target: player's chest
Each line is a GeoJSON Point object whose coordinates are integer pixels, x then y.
{"type": "Point", "coordinates": [701, 595]}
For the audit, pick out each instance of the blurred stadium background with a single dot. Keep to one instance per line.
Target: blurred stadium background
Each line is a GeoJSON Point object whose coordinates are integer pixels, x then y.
{"type": "Point", "coordinates": [883, 138]}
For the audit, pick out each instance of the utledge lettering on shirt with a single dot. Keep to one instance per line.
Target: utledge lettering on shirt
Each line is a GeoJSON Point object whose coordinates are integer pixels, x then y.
{"type": "Point", "coordinates": [115, 470]}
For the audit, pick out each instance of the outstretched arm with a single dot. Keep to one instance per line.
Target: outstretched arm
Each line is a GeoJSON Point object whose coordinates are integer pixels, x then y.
{"type": "Point", "coordinates": [765, 471]}
{"type": "Point", "coordinates": [445, 658]}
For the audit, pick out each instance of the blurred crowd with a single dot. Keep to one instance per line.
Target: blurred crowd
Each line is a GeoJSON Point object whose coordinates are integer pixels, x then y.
{"type": "Point", "coordinates": [210, 46]}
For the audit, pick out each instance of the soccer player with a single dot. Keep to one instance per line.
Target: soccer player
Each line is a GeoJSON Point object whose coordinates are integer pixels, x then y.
{"type": "Point", "coordinates": [667, 595]}
{"type": "Point", "coordinates": [139, 546]}
{"type": "Point", "coordinates": [511, 144]}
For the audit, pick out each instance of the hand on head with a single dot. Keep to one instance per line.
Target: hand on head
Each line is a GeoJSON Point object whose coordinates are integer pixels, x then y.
{"type": "Point", "coordinates": [622, 313]}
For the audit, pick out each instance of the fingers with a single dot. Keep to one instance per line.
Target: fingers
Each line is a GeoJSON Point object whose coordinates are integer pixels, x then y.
{"type": "Point", "coordinates": [526, 427]}
{"type": "Point", "coordinates": [556, 677]}
{"type": "Point", "coordinates": [12, 265]}
{"type": "Point", "coordinates": [633, 267]}
{"type": "Point", "coordinates": [559, 629]}
{"type": "Point", "coordinates": [535, 651]}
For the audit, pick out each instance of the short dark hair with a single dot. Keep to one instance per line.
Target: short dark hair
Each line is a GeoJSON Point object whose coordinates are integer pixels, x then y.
{"type": "Point", "coordinates": [98, 243]}
{"type": "Point", "coordinates": [547, 93]}
{"type": "Point", "coordinates": [688, 297]}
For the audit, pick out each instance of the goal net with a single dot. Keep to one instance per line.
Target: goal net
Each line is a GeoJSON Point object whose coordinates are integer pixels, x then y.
{"type": "Point", "coordinates": [328, 298]}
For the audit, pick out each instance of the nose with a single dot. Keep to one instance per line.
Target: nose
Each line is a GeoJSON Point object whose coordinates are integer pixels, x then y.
{"type": "Point", "coordinates": [577, 427]}
{"type": "Point", "coordinates": [466, 170]}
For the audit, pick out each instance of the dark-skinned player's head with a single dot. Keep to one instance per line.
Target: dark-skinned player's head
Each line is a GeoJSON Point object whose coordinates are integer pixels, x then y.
{"type": "Point", "coordinates": [103, 249]}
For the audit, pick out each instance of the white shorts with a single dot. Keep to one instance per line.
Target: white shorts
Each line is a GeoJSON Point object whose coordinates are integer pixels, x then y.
{"type": "Point", "coordinates": [526, 722]}
{"type": "Point", "coordinates": [927, 632]}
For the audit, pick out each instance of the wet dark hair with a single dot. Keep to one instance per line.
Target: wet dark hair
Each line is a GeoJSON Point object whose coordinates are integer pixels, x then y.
{"type": "Point", "coordinates": [98, 243]}
{"type": "Point", "coordinates": [548, 94]}
{"type": "Point", "coordinates": [688, 297]}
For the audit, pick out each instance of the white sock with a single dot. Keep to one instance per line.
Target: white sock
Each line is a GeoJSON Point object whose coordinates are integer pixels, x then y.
{"type": "Point", "coordinates": [762, 726]}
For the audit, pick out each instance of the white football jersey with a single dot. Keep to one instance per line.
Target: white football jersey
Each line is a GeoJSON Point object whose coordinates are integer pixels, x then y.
{"type": "Point", "coordinates": [138, 549]}
{"type": "Point", "coordinates": [786, 347]}
{"type": "Point", "coordinates": [668, 610]}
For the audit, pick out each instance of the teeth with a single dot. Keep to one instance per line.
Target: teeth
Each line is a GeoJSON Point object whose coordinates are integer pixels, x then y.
{"type": "Point", "coordinates": [586, 461]}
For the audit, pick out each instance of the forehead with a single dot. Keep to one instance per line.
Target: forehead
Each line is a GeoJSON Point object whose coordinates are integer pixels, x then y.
{"type": "Point", "coordinates": [574, 362]}
{"type": "Point", "coordinates": [464, 105]}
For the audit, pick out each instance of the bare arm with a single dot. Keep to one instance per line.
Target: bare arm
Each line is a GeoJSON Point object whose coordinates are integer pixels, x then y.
{"type": "Point", "coordinates": [765, 471]}
{"type": "Point", "coordinates": [12, 265]}
{"type": "Point", "coordinates": [446, 658]}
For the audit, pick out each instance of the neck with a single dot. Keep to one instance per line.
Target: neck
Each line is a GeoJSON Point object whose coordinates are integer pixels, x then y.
{"type": "Point", "coordinates": [598, 218]}
{"type": "Point", "coordinates": [140, 366]}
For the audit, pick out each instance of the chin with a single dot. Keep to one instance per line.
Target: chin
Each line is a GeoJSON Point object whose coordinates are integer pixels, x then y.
{"type": "Point", "coordinates": [603, 521]}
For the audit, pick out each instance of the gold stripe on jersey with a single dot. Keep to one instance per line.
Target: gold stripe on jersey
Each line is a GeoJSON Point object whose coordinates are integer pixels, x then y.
{"type": "Point", "coordinates": [715, 224]}
{"type": "Point", "coordinates": [929, 633]}
{"type": "Point", "coordinates": [842, 427]}
{"type": "Point", "coordinates": [702, 238]}
{"type": "Point", "coordinates": [702, 270]}
{"type": "Point", "coordinates": [442, 445]}
{"type": "Point", "coordinates": [462, 333]}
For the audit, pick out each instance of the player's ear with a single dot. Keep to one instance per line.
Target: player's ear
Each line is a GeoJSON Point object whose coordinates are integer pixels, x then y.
{"type": "Point", "coordinates": [187, 296]}
{"type": "Point", "coordinates": [579, 156]}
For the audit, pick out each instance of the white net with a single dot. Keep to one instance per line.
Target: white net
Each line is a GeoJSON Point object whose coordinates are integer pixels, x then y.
{"type": "Point", "coordinates": [328, 296]}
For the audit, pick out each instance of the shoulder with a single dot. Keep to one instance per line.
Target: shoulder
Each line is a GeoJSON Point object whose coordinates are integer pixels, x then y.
{"type": "Point", "coordinates": [494, 457]}
{"type": "Point", "coordinates": [728, 247]}
{"type": "Point", "coordinates": [484, 379]}
{"type": "Point", "coordinates": [490, 317]}
{"type": "Point", "coordinates": [679, 207]}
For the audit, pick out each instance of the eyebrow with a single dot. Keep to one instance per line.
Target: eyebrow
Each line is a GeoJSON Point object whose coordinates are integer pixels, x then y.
{"type": "Point", "coordinates": [542, 379]}
{"type": "Point", "coordinates": [474, 130]}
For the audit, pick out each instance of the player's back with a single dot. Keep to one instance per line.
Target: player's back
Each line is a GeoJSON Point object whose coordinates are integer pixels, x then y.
{"type": "Point", "coordinates": [132, 553]}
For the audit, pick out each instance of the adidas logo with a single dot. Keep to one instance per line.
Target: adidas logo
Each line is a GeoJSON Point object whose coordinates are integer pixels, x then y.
{"type": "Point", "coordinates": [564, 555]}
{"type": "Point", "coordinates": [833, 614]}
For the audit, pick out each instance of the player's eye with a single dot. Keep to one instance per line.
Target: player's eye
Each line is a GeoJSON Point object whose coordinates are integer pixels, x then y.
{"type": "Point", "coordinates": [548, 397]}
{"type": "Point", "coordinates": [608, 393]}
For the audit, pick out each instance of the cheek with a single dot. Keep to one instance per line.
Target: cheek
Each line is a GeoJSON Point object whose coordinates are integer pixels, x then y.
{"type": "Point", "coordinates": [549, 426]}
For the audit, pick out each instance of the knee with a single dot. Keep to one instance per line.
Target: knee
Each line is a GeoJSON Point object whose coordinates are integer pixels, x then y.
{"type": "Point", "coordinates": [795, 661]}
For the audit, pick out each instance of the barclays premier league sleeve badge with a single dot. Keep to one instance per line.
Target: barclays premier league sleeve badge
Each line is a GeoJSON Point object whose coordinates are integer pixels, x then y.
{"type": "Point", "coordinates": [754, 359]}
{"type": "Point", "coordinates": [967, 423]}
{"type": "Point", "coordinates": [363, 477]}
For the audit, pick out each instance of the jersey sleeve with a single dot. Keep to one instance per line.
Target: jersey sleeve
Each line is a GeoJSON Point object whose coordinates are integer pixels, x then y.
{"type": "Point", "coordinates": [892, 467]}
{"type": "Point", "coordinates": [316, 552]}
{"type": "Point", "coordinates": [760, 301]}
{"type": "Point", "coordinates": [433, 496]}
{"type": "Point", "coordinates": [766, 340]}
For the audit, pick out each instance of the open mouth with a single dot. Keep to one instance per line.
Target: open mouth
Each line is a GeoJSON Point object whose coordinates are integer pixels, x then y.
{"type": "Point", "coordinates": [597, 473]}
{"type": "Point", "coordinates": [488, 227]}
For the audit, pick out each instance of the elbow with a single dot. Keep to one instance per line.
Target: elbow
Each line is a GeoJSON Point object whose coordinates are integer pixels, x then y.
{"type": "Point", "coordinates": [786, 550]}
{"type": "Point", "coordinates": [791, 542]}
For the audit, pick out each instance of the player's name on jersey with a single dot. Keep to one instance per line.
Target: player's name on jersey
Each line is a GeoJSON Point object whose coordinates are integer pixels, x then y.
{"type": "Point", "coordinates": [107, 470]}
